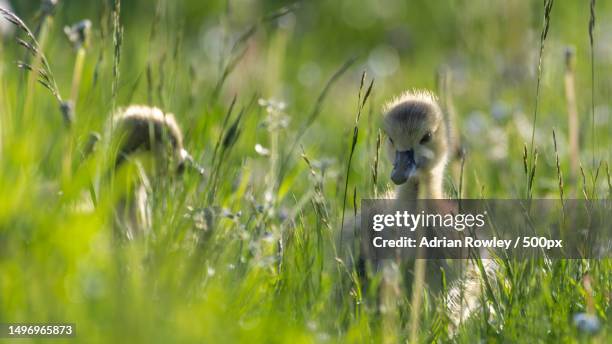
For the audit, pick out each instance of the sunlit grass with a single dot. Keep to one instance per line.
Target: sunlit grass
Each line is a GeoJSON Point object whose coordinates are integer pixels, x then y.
{"type": "Point", "coordinates": [246, 253]}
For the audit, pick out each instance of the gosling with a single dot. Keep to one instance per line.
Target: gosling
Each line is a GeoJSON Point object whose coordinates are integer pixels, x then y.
{"type": "Point", "coordinates": [153, 141]}
{"type": "Point", "coordinates": [418, 145]}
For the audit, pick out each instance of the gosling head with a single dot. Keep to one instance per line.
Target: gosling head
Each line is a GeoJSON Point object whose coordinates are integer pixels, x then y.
{"type": "Point", "coordinates": [149, 130]}
{"type": "Point", "coordinates": [416, 135]}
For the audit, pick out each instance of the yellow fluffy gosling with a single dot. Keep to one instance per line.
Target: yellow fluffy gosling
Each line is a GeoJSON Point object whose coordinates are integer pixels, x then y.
{"type": "Point", "coordinates": [153, 141]}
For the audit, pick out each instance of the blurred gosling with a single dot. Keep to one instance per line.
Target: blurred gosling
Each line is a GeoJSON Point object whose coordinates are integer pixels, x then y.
{"type": "Point", "coordinates": [153, 141]}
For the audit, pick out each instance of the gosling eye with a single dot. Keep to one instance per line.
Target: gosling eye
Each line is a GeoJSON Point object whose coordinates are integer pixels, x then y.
{"type": "Point", "coordinates": [390, 140]}
{"type": "Point", "coordinates": [426, 138]}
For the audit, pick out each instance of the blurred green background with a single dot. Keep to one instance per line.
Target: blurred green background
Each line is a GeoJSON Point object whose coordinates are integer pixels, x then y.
{"type": "Point", "coordinates": [212, 270]}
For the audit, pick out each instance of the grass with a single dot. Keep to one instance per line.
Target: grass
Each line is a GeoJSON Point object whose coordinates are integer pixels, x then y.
{"type": "Point", "coordinates": [247, 252]}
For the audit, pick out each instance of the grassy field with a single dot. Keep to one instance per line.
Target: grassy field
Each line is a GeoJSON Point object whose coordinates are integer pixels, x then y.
{"type": "Point", "coordinates": [269, 94]}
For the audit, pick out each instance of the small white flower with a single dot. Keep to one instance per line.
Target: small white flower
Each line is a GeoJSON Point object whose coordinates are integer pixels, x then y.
{"type": "Point", "coordinates": [268, 196]}
{"type": "Point", "coordinates": [261, 150]}
{"type": "Point", "coordinates": [281, 105]}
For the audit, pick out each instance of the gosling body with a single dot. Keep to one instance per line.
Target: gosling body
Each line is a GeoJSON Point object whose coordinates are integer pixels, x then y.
{"type": "Point", "coordinates": [151, 141]}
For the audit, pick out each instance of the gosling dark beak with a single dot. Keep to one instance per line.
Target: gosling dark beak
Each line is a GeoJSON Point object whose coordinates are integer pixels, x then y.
{"type": "Point", "coordinates": [187, 162]}
{"type": "Point", "coordinates": [404, 167]}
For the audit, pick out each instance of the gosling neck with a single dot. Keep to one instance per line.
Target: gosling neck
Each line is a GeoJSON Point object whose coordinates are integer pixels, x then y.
{"type": "Point", "coordinates": [428, 185]}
